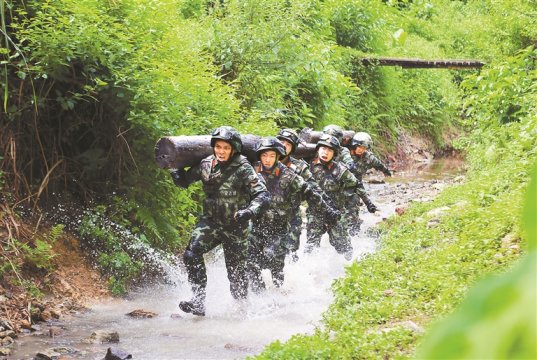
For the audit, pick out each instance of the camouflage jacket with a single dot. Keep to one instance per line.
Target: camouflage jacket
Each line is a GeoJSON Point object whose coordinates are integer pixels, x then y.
{"type": "Point", "coordinates": [287, 189]}
{"type": "Point", "coordinates": [344, 157]}
{"type": "Point", "coordinates": [228, 189]}
{"type": "Point", "coordinates": [366, 162]}
{"type": "Point", "coordinates": [337, 181]}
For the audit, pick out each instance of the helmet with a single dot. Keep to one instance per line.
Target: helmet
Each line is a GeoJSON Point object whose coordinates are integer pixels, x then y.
{"type": "Point", "coordinates": [289, 135]}
{"type": "Point", "coordinates": [362, 139]}
{"type": "Point", "coordinates": [270, 143]}
{"type": "Point", "coordinates": [334, 130]}
{"type": "Point", "coordinates": [228, 134]}
{"type": "Point", "coordinates": [329, 141]}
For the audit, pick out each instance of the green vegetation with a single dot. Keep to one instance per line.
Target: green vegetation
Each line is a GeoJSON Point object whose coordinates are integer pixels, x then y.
{"type": "Point", "coordinates": [89, 86]}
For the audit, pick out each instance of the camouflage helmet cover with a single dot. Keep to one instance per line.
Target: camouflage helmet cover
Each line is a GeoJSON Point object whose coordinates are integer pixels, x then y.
{"type": "Point", "coordinates": [334, 130]}
{"type": "Point", "coordinates": [228, 134]}
{"type": "Point", "coordinates": [270, 143]}
{"type": "Point", "coordinates": [362, 139]}
{"type": "Point", "coordinates": [289, 135]}
{"type": "Point", "coordinates": [329, 141]}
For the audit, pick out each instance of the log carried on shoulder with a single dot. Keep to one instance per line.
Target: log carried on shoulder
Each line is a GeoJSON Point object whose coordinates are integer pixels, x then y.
{"type": "Point", "coordinates": [308, 135]}
{"type": "Point", "coordinates": [174, 152]}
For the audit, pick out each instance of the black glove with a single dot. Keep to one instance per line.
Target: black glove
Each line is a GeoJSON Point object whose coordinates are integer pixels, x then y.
{"type": "Point", "coordinates": [371, 207]}
{"type": "Point", "coordinates": [387, 172]}
{"type": "Point", "coordinates": [178, 175]}
{"type": "Point", "coordinates": [332, 214]}
{"type": "Point", "coordinates": [242, 216]}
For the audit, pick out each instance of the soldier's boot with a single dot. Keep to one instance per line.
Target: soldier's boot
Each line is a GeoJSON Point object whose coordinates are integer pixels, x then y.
{"type": "Point", "coordinates": [196, 306]}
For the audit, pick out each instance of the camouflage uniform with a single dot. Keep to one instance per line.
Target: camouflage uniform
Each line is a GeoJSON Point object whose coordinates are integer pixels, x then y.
{"type": "Point", "coordinates": [270, 232]}
{"type": "Point", "coordinates": [300, 167]}
{"type": "Point", "coordinates": [227, 190]}
{"type": "Point", "coordinates": [338, 183]}
{"type": "Point", "coordinates": [365, 162]}
{"type": "Point", "coordinates": [361, 165]}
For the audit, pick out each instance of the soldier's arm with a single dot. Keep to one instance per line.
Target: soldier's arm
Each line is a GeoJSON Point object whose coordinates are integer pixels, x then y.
{"type": "Point", "coordinates": [259, 195]}
{"type": "Point", "coordinates": [351, 180]}
{"type": "Point", "coordinates": [184, 178]}
{"type": "Point", "coordinates": [379, 165]}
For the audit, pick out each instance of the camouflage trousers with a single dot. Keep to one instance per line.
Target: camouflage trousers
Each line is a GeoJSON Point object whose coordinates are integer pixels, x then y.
{"type": "Point", "coordinates": [292, 242]}
{"type": "Point", "coordinates": [352, 214]}
{"type": "Point", "coordinates": [337, 233]}
{"type": "Point", "coordinates": [267, 251]}
{"type": "Point", "coordinates": [205, 237]}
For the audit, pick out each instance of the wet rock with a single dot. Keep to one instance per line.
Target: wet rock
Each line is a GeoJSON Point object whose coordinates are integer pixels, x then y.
{"type": "Point", "coordinates": [54, 331]}
{"type": "Point", "coordinates": [7, 333]}
{"type": "Point", "coordinates": [102, 337]}
{"type": "Point", "coordinates": [400, 210]}
{"type": "Point", "coordinates": [116, 354]}
{"type": "Point", "coordinates": [389, 292]}
{"type": "Point", "coordinates": [5, 351]}
{"type": "Point", "coordinates": [176, 316]}
{"type": "Point", "coordinates": [140, 313]}
{"type": "Point", "coordinates": [48, 354]}
{"type": "Point", "coordinates": [63, 350]}
{"type": "Point", "coordinates": [6, 341]}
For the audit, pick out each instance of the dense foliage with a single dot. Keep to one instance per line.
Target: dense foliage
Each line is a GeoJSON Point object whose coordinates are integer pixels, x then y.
{"type": "Point", "coordinates": [88, 86]}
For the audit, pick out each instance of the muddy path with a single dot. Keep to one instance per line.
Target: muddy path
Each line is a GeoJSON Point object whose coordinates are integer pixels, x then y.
{"type": "Point", "coordinates": [231, 330]}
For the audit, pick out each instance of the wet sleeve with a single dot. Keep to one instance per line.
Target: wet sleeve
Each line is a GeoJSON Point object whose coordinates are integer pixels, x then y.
{"type": "Point", "coordinates": [259, 195]}
{"type": "Point", "coordinates": [378, 165]}
{"type": "Point", "coordinates": [191, 175]}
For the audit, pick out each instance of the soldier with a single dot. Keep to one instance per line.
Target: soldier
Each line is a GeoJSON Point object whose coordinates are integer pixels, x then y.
{"type": "Point", "coordinates": [364, 160]}
{"type": "Point", "coordinates": [343, 155]}
{"type": "Point", "coordinates": [289, 138]}
{"type": "Point", "coordinates": [234, 194]}
{"type": "Point", "coordinates": [352, 208]}
{"type": "Point", "coordinates": [339, 184]}
{"type": "Point", "coordinates": [271, 229]}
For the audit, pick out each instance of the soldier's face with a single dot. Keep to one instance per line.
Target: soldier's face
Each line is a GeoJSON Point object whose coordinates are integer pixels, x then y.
{"type": "Point", "coordinates": [326, 154]}
{"type": "Point", "coordinates": [222, 150]}
{"type": "Point", "coordinates": [360, 150]}
{"type": "Point", "coordinates": [268, 158]}
{"type": "Point", "coordinates": [288, 146]}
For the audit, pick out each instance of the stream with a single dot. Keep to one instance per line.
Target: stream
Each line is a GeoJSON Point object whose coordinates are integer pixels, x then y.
{"type": "Point", "coordinates": [231, 330]}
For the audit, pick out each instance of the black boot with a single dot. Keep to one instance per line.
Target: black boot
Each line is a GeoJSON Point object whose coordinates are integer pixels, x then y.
{"type": "Point", "coordinates": [194, 307]}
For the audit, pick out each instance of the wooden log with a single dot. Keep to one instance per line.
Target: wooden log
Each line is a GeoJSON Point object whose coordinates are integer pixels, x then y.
{"type": "Point", "coordinates": [174, 152]}
{"type": "Point", "coordinates": [423, 64]}
{"type": "Point", "coordinates": [308, 135]}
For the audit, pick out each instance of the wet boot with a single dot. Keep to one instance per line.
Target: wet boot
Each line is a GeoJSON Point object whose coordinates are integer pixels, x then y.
{"type": "Point", "coordinates": [193, 307]}
{"type": "Point", "coordinates": [196, 306]}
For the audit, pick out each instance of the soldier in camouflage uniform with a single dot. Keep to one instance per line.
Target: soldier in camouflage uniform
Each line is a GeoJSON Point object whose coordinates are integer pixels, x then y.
{"type": "Point", "coordinates": [364, 160]}
{"type": "Point", "coordinates": [343, 155]}
{"type": "Point", "coordinates": [234, 194]}
{"type": "Point", "coordinates": [271, 229]}
{"type": "Point", "coordinates": [352, 208]}
{"type": "Point", "coordinates": [289, 139]}
{"type": "Point", "coordinates": [339, 184]}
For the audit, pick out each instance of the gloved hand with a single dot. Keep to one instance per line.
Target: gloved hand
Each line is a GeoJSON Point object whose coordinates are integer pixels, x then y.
{"type": "Point", "coordinates": [387, 172]}
{"type": "Point", "coordinates": [333, 214]}
{"type": "Point", "coordinates": [177, 175]}
{"type": "Point", "coordinates": [371, 207]}
{"type": "Point", "coordinates": [242, 216]}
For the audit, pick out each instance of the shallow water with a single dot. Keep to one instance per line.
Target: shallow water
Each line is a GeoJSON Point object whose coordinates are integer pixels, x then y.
{"type": "Point", "coordinates": [231, 330]}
